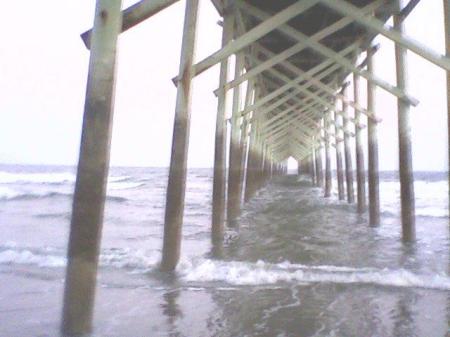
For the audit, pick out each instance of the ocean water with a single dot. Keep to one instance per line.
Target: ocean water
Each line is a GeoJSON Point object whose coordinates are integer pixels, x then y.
{"type": "Point", "coordinates": [295, 264]}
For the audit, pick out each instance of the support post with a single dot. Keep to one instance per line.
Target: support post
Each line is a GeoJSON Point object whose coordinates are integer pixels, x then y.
{"type": "Point", "coordinates": [219, 184]}
{"type": "Point", "coordinates": [234, 167]}
{"type": "Point", "coordinates": [252, 164]}
{"type": "Point", "coordinates": [177, 173]}
{"type": "Point", "coordinates": [90, 187]}
{"type": "Point", "coordinates": [312, 169]}
{"type": "Point", "coordinates": [326, 125]}
{"type": "Point", "coordinates": [360, 170]}
{"type": "Point", "coordinates": [348, 151]}
{"type": "Point", "coordinates": [447, 48]}
{"type": "Point", "coordinates": [319, 171]}
{"type": "Point", "coordinates": [339, 163]}
{"type": "Point", "coordinates": [243, 146]}
{"type": "Point", "coordinates": [404, 141]}
{"type": "Point", "coordinates": [372, 146]}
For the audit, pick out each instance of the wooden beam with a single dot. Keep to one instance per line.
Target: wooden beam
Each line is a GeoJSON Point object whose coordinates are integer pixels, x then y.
{"type": "Point", "coordinates": [329, 53]}
{"type": "Point", "coordinates": [375, 25]}
{"type": "Point", "coordinates": [294, 49]}
{"type": "Point", "coordinates": [134, 15]}
{"type": "Point", "coordinates": [252, 35]}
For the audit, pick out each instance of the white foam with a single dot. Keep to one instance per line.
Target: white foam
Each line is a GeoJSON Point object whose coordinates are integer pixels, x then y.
{"type": "Point", "coordinates": [27, 257]}
{"type": "Point", "coordinates": [7, 193]}
{"type": "Point", "coordinates": [239, 273]}
{"type": "Point", "coordinates": [243, 273]}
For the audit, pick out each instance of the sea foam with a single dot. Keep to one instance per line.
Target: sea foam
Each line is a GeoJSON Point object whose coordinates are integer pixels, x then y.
{"type": "Point", "coordinates": [236, 273]}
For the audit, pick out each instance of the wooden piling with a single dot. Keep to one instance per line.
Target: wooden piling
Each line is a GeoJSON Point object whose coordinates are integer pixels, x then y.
{"type": "Point", "coordinates": [447, 48]}
{"type": "Point", "coordinates": [219, 187]}
{"type": "Point", "coordinates": [312, 168]}
{"type": "Point", "coordinates": [372, 138]}
{"type": "Point", "coordinates": [404, 141]}
{"type": "Point", "coordinates": [234, 167]}
{"type": "Point", "coordinates": [319, 171]}
{"type": "Point", "coordinates": [177, 173]}
{"type": "Point", "coordinates": [243, 149]}
{"type": "Point", "coordinates": [360, 170]}
{"type": "Point", "coordinates": [326, 125]}
{"type": "Point", "coordinates": [348, 151]}
{"type": "Point", "coordinates": [90, 187]}
{"type": "Point", "coordinates": [339, 163]}
{"type": "Point", "coordinates": [252, 163]}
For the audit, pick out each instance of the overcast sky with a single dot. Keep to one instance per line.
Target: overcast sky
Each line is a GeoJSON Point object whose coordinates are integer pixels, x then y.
{"type": "Point", "coordinates": [43, 71]}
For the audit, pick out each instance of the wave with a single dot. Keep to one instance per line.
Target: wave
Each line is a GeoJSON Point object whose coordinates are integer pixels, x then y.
{"type": "Point", "coordinates": [49, 178]}
{"type": "Point", "coordinates": [7, 194]}
{"type": "Point", "coordinates": [39, 178]}
{"type": "Point", "coordinates": [261, 273]}
{"type": "Point", "coordinates": [200, 270]}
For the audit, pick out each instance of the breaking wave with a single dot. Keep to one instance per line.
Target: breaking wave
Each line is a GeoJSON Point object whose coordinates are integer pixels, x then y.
{"type": "Point", "coordinates": [8, 194]}
{"type": "Point", "coordinates": [238, 273]}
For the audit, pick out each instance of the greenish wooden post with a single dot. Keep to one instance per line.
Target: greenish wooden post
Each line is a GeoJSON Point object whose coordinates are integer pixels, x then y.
{"type": "Point", "coordinates": [177, 172]}
{"type": "Point", "coordinates": [90, 187]}
{"type": "Point", "coordinates": [326, 124]}
{"type": "Point", "coordinates": [360, 170]}
{"type": "Point", "coordinates": [219, 183]}
{"type": "Point", "coordinates": [372, 146]}
{"type": "Point", "coordinates": [234, 167]}
{"type": "Point", "coordinates": [348, 152]}
{"type": "Point", "coordinates": [404, 141]}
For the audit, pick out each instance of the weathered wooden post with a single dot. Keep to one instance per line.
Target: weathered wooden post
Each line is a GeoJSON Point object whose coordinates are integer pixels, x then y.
{"type": "Point", "coordinates": [447, 48]}
{"type": "Point", "coordinates": [312, 169]}
{"type": "Point", "coordinates": [243, 147]}
{"type": "Point", "coordinates": [319, 171]}
{"type": "Point", "coordinates": [339, 163]}
{"type": "Point", "coordinates": [360, 170]}
{"type": "Point", "coordinates": [90, 187]}
{"type": "Point", "coordinates": [326, 125]}
{"type": "Point", "coordinates": [177, 172]}
{"type": "Point", "coordinates": [299, 167]}
{"type": "Point", "coordinates": [348, 151]}
{"type": "Point", "coordinates": [252, 160]}
{"type": "Point", "coordinates": [404, 140]}
{"type": "Point", "coordinates": [219, 187]}
{"type": "Point", "coordinates": [374, 193]}
{"type": "Point", "coordinates": [234, 167]}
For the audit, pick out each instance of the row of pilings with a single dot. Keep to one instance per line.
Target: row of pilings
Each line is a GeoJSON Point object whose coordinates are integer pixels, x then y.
{"type": "Point", "coordinates": [256, 152]}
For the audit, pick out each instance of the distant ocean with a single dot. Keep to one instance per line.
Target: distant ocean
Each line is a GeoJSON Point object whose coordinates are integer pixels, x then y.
{"type": "Point", "coordinates": [296, 264]}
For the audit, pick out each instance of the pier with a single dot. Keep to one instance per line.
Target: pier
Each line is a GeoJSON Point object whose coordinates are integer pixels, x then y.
{"type": "Point", "coordinates": [293, 61]}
